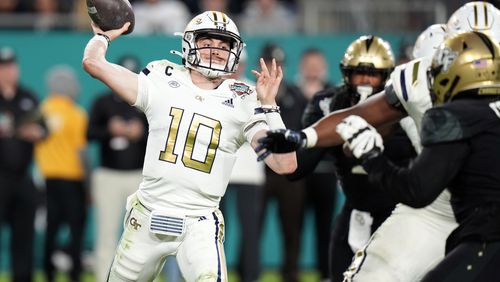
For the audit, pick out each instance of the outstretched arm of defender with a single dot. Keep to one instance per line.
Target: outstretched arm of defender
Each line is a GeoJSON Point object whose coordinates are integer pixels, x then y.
{"type": "Point", "coordinates": [376, 110]}
{"type": "Point", "coordinates": [117, 78]}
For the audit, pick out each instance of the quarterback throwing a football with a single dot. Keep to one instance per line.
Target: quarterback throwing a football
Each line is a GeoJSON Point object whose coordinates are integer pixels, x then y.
{"type": "Point", "coordinates": [197, 120]}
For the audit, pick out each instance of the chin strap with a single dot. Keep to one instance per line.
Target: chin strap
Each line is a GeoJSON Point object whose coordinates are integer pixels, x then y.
{"type": "Point", "coordinates": [175, 52]}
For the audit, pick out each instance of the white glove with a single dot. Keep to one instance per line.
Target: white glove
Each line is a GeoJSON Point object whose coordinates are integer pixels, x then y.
{"type": "Point", "coordinates": [362, 138]}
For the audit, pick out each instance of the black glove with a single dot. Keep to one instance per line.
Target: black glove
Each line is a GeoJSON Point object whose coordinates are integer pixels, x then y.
{"type": "Point", "coordinates": [280, 141]}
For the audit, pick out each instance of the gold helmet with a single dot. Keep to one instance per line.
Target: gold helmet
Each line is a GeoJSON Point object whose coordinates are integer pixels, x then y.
{"type": "Point", "coordinates": [465, 64]}
{"type": "Point", "coordinates": [368, 54]}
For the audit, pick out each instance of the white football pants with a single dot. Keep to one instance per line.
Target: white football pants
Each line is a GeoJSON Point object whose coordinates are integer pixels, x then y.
{"type": "Point", "coordinates": [141, 253]}
{"type": "Point", "coordinates": [407, 245]}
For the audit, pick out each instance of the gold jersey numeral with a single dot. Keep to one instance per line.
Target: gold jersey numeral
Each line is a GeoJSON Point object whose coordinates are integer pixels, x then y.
{"type": "Point", "coordinates": [168, 154]}
{"type": "Point", "coordinates": [198, 121]}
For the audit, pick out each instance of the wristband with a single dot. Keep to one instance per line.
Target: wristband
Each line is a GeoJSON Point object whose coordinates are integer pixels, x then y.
{"type": "Point", "coordinates": [274, 121]}
{"type": "Point", "coordinates": [312, 137]}
{"type": "Point", "coordinates": [267, 111]}
{"type": "Point", "coordinates": [270, 109]}
{"type": "Point", "coordinates": [99, 38]}
{"type": "Point", "coordinates": [106, 37]}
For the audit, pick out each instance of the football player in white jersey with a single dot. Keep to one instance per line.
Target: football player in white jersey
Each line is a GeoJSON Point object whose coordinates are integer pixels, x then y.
{"type": "Point", "coordinates": [419, 234]}
{"type": "Point", "coordinates": [460, 138]}
{"type": "Point", "coordinates": [197, 121]}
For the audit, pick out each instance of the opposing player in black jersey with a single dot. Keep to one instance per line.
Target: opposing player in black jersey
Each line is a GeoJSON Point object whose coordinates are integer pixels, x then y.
{"type": "Point", "coordinates": [460, 151]}
{"type": "Point", "coordinates": [419, 234]}
{"type": "Point", "coordinates": [366, 66]}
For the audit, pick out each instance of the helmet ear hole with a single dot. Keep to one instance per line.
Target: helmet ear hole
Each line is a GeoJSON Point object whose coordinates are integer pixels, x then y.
{"type": "Point", "coordinates": [444, 82]}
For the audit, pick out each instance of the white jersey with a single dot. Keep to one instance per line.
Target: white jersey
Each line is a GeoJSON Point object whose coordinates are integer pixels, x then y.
{"type": "Point", "coordinates": [193, 137]}
{"type": "Point", "coordinates": [409, 82]}
{"type": "Point", "coordinates": [387, 258]}
{"type": "Point", "coordinates": [410, 85]}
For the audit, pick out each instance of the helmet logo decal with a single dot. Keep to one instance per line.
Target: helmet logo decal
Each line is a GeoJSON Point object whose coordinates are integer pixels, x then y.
{"type": "Point", "coordinates": [324, 105]}
{"type": "Point", "coordinates": [445, 58]}
{"type": "Point", "coordinates": [218, 22]}
{"type": "Point", "coordinates": [480, 64]}
{"type": "Point", "coordinates": [198, 21]}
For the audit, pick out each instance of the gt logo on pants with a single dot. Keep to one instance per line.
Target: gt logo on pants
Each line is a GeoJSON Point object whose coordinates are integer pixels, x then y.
{"type": "Point", "coordinates": [134, 223]}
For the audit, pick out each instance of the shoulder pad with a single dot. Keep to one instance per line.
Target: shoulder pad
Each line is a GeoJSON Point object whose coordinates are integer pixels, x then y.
{"type": "Point", "coordinates": [161, 66]}
{"type": "Point", "coordinates": [440, 125]}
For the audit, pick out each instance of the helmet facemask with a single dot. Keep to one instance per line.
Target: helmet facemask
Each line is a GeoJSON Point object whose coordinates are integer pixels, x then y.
{"type": "Point", "coordinates": [211, 25]}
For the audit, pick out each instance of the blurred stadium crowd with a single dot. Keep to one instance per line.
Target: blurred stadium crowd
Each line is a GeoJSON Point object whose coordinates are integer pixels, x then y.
{"type": "Point", "coordinates": [254, 17]}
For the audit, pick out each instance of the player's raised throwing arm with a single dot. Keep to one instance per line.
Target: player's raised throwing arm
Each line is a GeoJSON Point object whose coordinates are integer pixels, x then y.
{"type": "Point", "coordinates": [119, 79]}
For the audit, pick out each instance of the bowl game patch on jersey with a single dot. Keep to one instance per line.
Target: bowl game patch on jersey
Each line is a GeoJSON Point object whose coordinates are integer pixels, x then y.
{"type": "Point", "coordinates": [240, 89]}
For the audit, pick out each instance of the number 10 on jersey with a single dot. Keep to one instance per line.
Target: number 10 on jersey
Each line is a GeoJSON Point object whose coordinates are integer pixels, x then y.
{"type": "Point", "coordinates": [197, 122]}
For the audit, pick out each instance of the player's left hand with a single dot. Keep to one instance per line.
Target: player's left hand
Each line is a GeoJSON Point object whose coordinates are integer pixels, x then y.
{"type": "Point", "coordinates": [268, 82]}
{"type": "Point", "coordinates": [362, 138]}
{"type": "Point", "coordinates": [279, 141]}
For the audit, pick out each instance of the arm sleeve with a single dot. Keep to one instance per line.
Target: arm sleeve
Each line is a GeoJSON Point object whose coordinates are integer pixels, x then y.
{"type": "Point", "coordinates": [142, 91]}
{"type": "Point", "coordinates": [392, 98]}
{"type": "Point", "coordinates": [257, 120]}
{"type": "Point", "coordinates": [418, 185]}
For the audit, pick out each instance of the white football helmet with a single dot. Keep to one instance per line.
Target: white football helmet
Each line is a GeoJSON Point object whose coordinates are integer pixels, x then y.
{"type": "Point", "coordinates": [476, 16]}
{"type": "Point", "coordinates": [428, 41]}
{"type": "Point", "coordinates": [217, 25]}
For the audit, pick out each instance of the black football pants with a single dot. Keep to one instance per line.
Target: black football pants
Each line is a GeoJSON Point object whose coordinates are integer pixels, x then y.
{"type": "Point", "coordinates": [248, 202]}
{"type": "Point", "coordinates": [18, 201]}
{"type": "Point", "coordinates": [291, 200]}
{"type": "Point", "coordinates": [468, 262]}
{"type": "Point", "coordinates": [65, 204]}
{"type": "Point", "coordinates": [321, 195]}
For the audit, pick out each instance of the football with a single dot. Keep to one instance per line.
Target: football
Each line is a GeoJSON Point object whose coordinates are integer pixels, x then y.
{"type": "Point", "coordinates": [111, 14]}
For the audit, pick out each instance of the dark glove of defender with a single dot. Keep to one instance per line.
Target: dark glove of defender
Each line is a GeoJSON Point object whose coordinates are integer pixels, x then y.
{"type": "Point", "coordinates": [280, 141]}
